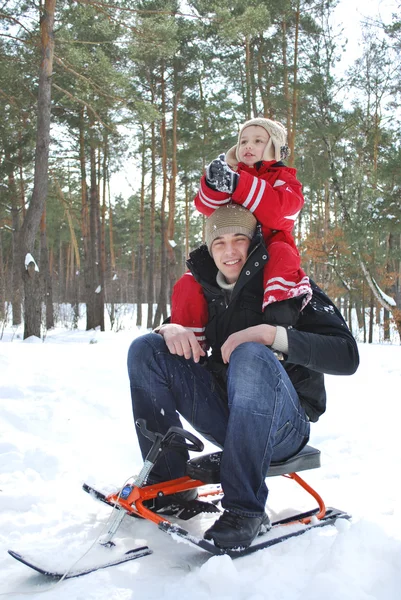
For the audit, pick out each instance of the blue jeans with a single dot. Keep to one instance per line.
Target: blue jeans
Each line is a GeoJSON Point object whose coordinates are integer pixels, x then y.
{"type": "Point", "coordinates": [263, 420]}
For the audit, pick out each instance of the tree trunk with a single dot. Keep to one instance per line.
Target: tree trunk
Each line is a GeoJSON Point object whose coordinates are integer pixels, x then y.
{"type": "Point", "coordinates": [170, 233]}
{"type": "Point", "coordinates": [364, 312]}
{"type": "Point", "coordinates": [187, 218]}
{"type": "Point", "coordinates": [254, 97]}
{"type": "Point", "coordinates": [61, 278]}
{"type": "Point", "coordinates": [16, 278]}
{"type": "Point", "coordinates": [140, 272]}
{"type": "Point", "coordinates": [151, 259]}
{"type": "Point", "coordinates": [84, 207]}
{"type": "Point", "coordinates": [248, 77]}
{"type": "Point", "coordinates": [94, 291]}
{"type": "Point", "coordinates": [21, 174]}
{"type": "Point", "coordinates": [31, 222]}
{"type": "Point", "coordinates": [103, 217]}
{"type": "Point", "coordinates": [46, 275]}
{"type": "Point", "coordinates": [295, 87]}
{"type": "Point", "coordinates": [371, 318]}
{"type": "Point", "coordinates": [2, 281]}
{"type": "Point", "coordinates": [115, 283]}
{"type": "Point", "coordinates": [162, 300]}
{"type": "Point", "coordinates": [84, 186]}
{"type": "Point", "coordinates": [285, 74]}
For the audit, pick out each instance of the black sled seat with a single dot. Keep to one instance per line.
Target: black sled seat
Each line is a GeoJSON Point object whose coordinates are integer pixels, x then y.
{"type": "Point", "coordinates": [206, 468]}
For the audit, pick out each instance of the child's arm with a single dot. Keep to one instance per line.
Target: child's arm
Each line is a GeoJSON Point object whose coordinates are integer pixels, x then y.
{"type": "Point", "coordinates": [276, 205]}
{"type": "Point", "coordinates": [207, 200]}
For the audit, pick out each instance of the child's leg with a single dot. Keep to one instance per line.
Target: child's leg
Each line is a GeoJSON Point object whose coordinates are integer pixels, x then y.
{"type": "Point", "coordinates": [194, 314]}
{"type": "Point", "coordinates": [284, 279]}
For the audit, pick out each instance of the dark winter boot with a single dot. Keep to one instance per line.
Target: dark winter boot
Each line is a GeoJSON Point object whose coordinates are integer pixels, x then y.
{"type": "Point", "coordinates": [183, 505]}
{"type": "Point", "coordinates": [164, 504]}
{"type": "Point", "coordinates": [233, 530]}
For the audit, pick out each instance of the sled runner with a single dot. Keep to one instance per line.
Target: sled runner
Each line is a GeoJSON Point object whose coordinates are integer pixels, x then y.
{"type": "Point", "coordinates": [202, 472]}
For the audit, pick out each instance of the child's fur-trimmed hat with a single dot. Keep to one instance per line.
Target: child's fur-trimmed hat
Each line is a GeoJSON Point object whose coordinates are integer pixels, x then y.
{"type": "Point", "coordinates": [277, 147]}
{"type": "Point", "coordinates": [230, 218]}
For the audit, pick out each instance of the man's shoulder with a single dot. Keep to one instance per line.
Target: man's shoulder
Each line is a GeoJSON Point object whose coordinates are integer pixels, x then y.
{"type": "Point", "coordinates": [321, 311]}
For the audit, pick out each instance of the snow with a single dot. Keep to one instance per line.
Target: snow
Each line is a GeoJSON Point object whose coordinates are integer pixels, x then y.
{"type": "Point", "coordinates": [65, 418]}
{"type": "Point", "coordinates": [28, 260]}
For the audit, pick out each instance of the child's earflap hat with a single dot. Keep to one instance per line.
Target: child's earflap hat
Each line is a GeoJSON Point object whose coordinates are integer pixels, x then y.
{"type": "Point", "coordinates": [277, 147]}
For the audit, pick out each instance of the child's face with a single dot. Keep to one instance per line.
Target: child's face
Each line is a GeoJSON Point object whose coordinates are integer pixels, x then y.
{"type": "Point", "coordinates": [252, 144]}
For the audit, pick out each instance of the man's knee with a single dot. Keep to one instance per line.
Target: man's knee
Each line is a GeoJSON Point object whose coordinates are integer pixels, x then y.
{"type": "Point", "coordinates": [142, 348]}
{"type": "Point", "coordinates": [251, 351]}
{"type": "Point", "coordinates": [253, 375]}
{"type": "Point", "coordinates": [250, 360]}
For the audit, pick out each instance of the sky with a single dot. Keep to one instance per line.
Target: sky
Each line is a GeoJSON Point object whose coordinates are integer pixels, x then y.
{"type": "Point", "coordinates": [351, 15]}
{"type": "Point", "coordinates": [65, 419]}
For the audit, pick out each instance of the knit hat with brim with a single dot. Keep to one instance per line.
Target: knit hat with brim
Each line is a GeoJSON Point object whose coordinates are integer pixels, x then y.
{"type": "Point", "coordinates": [277, 147]}
{"type": "Point", "coordinates": [230, 218]}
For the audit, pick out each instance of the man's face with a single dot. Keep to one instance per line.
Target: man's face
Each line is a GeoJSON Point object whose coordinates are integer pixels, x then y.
{"type": "Point", "coordinates": [229, 252]}
{"type": "Point", "coordinates": [252, 144]}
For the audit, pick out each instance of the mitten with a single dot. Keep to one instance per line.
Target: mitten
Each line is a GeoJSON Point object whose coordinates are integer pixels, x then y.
{"type": "Point", "coordinates": [220, 177]}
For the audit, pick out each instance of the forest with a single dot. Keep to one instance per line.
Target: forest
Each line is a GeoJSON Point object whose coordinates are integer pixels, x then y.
{"type": "Point", "coordinates": [88, 87]}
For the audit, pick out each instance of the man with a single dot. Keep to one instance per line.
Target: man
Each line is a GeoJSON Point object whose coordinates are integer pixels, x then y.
{"type": "Point", "coordinates": [242, 397]}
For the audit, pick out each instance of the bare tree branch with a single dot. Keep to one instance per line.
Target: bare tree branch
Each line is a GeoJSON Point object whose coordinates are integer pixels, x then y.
{"type": "Point", "coordinates": [375, 288]}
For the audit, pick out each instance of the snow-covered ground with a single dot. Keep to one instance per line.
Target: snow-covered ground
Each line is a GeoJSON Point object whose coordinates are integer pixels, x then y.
{"type": "Point", "coordinates": [65, 418]}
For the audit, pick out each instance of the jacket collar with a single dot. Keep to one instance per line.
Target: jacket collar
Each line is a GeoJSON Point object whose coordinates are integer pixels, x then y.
{"type": "Point", "coordinates": [263, 166]}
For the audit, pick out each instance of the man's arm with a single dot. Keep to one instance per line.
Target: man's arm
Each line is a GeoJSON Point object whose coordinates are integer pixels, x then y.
{"type": "Point", "coordinates": [332, 354]}
{"type": "Point", "coordinates": [262, 334]}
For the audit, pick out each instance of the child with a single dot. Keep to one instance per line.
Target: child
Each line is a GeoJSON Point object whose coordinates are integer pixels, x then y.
{"type": "Point", "coordinates": [252, 175]}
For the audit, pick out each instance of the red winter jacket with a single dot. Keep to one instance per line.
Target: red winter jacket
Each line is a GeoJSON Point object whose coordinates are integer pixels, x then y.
{"type": "Point", "coordinates": [272, 193]}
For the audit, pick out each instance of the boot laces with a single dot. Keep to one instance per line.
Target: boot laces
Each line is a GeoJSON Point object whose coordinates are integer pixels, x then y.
{"type": "Point", "coordinates": [231, 519]}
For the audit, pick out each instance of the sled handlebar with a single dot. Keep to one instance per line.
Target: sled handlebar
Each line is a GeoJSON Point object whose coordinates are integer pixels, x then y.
{"type": "Point", "coordinates": [176, 438]}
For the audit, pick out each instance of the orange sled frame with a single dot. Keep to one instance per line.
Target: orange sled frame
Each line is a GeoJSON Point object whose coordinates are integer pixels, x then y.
{"type": "Point", "coordinates": [201, 471]}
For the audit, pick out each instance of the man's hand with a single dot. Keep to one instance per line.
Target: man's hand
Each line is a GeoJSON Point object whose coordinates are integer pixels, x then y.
{"type": "Point", "coordinates": [263, 334]}
{"type": "Point", "coordinates": [182, 341]}
{"type": "Point", "coordinates": [220, 177]}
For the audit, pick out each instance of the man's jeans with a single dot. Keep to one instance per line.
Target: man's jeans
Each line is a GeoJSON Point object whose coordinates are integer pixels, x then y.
{"type": "Point", "coordinates": [263, 420]}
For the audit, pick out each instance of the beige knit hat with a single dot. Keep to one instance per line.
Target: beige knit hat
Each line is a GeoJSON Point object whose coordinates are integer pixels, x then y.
{"type": "Point", "coordinates": [230, 218]}
{"type": "Point", "coordinates": [277, 147]}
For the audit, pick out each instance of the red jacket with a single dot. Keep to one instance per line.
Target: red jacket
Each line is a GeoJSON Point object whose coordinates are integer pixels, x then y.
{"type": "Point", "coordinates": [272, 193]}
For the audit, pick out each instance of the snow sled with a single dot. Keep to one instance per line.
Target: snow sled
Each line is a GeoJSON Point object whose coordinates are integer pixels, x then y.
{"type": "Point", "coordinates": [202, 472]}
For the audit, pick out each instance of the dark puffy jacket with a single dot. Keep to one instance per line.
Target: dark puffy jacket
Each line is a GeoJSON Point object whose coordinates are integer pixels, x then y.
{"type": "Point", "coordinates": [319, 340]}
